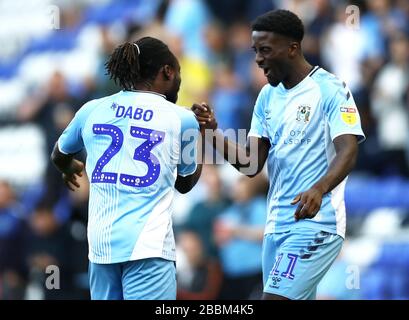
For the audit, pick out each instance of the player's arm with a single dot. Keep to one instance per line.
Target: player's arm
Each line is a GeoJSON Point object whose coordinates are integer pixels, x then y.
{"type": "Point", "coordinates": [346, 133]}
{"type": "Point", "coordinates": [248, 159]}
{"type": "Point", "coordinates": [185, 182]}
{"type": "Point", "coordinates": [70, 143]}
{"type": "Point", "coordinates": [309, 202]}
{"type": "Point", "coordinates": [71, 168]}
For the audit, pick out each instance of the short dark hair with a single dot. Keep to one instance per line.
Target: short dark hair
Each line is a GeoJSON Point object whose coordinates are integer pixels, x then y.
{"type": "Point", "coordinates": [130, 64]}
{"type": "Point", "coordinates": [283, 22]}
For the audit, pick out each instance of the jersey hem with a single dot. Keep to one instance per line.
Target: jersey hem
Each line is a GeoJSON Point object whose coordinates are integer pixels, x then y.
{"type": "Point", "coordinates": [253, 134]}
{"type": "Point", "coordinates": [360, 135]}
{"type": "Point", "coordinates": [63, 151]}
{"type": "Point", "coordinates": [307, 226]}
{"type": "Point", "coordinates": [187, 174]}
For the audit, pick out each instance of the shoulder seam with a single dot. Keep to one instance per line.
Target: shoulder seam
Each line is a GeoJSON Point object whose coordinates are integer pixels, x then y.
{"type": "Point", "coordinates": [174, 110]}
{"type": "Point", "coordinates": [92, 111]}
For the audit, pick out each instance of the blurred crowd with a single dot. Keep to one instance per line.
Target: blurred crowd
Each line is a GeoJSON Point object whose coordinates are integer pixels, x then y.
{"type": "Point", "coordinates": [48, 73]}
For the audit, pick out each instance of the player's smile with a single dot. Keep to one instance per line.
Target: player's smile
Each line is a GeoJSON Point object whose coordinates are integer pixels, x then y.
{"type": "Point", "coordinates": [266, 71]}
{"type": "Point", "coordinates": [270, 73]}
{"type": "Point", "coordinates": [271, 52]}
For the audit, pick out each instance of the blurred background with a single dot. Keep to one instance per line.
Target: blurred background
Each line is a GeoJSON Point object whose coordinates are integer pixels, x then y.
{"type": "Point", "coordinates": [52, 56]}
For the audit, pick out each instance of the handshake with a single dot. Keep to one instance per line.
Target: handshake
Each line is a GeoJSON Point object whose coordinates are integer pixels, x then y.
{"type": "Point", "coordinates": [205, 116]}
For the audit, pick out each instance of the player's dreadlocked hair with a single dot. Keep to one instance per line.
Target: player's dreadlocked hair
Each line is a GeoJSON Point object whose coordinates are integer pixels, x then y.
{"type": "Point", "coordinates": [133, 63]}
{"type": "Point", "coordinates": [283, 22]}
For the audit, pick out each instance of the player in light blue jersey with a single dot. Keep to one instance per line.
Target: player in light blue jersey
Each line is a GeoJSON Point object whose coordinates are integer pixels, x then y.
{"type": "Point", "coordinates": [307, 127]}
{"type": "Point", "coordinates": [140, 146]}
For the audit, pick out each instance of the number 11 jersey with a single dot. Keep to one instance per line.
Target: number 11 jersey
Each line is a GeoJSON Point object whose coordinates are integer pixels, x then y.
{"type": "Point", "coordinates": [137, 143]}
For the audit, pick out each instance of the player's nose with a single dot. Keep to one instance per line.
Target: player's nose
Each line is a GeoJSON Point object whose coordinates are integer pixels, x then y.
{"type": "Point", "coordinates": [259, 59]}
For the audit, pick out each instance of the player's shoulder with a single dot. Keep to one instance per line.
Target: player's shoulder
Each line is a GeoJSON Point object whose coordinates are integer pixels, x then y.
{"type": "Point", "coordinates": [330, 85]}
{"type": "Point", "coordinates": [92, 104]}
{"type": "Point", "coordinates": [327, 80]}
{"type": "Point", "coordinates": [266, 91]}
{"type": "Point", "coordinates": [99, 101]}
{"type": "Point", "coordinates": [183, 113]}
{"type": "Point", "coordinates": [89, 107]}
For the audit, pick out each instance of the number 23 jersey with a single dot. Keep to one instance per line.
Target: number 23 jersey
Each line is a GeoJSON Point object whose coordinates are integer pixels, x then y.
{"type": "Point", "coordinates": [137, 143]}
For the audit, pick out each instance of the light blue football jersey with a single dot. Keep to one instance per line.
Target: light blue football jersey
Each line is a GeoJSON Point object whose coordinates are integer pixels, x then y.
{"type": "Point", "coordinates": [301, 124]}
{"type": "Point", "coordinates": [137, 143]}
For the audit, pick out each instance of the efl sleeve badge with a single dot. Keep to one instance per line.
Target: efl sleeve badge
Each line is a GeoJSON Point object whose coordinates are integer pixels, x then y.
{"type": "Point", "coordinates": [349, 115]}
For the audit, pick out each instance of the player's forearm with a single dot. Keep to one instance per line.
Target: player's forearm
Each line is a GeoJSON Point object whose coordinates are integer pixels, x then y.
{"type": "Point", "coordinates": [245, 159]}
{"type": "Point", "coordinates": [238, 156]}
{"type": "Point", "coordinates": [63, 162]}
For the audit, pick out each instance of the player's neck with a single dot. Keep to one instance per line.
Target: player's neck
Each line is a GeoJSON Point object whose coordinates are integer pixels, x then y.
{"type": "Point", "coordinates": [148, 87]}
{"type": "Point", "coordinates": [298, 72]}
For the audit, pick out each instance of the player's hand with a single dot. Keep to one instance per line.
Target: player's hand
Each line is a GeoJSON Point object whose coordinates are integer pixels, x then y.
{"type": "Point", "coordinates": [205, 116]}
{"type": "Point", "coordinates": [70, 178]}
{"type": "Point", "coordinates": [309, 203]}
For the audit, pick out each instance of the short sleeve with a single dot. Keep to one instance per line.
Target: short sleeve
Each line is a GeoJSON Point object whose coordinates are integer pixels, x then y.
{"type": "Point", "coordinates": [188, 152]}
{"type": "Point", "coordinates": [71, 141]}
{"type": "Point", "coordinates": [258, 122]}
{"type": "Point", "coordinates": [343, 115]}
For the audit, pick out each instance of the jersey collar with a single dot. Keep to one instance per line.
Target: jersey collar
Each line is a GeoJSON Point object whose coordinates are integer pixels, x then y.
{"type": "Point", "coordinates": [299, 84]}
{"type": "Point", "coordinates": [146, 91]}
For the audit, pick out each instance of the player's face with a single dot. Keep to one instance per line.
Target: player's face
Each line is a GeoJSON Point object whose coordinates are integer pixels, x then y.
{"type": "Point", "coordinates": [272, 55]}
{"type": "Point", "coordinates": [172, 94]}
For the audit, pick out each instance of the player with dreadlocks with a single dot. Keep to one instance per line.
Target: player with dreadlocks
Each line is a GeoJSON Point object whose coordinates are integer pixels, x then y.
{"type": "Point", "coordinates": [140, 148]}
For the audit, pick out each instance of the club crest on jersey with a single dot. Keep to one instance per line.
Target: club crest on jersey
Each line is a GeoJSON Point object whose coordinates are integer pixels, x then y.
{"type": "Point", "coordinates": [349, 115]}
{"type": "Point", "coordinates": [303, 113]}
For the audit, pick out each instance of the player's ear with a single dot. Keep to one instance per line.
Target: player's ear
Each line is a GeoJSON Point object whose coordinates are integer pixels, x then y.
{"type": "Point", "coordinates": [168, 72]}
{"type": "Point", "coordinates": [293, 49]}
